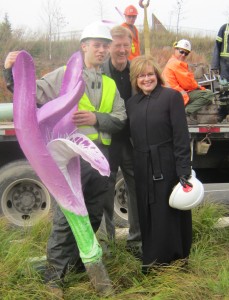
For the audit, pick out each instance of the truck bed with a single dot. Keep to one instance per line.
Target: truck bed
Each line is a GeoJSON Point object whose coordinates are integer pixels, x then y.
{"type": "Point", "coordinates": [7, 131]}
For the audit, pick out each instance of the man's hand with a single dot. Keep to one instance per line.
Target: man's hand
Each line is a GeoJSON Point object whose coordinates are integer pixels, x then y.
{"type": "Point", "coordinates": [84, 117]}
{"type": "Point", "coordinates": [10, 59]}
{"type": "Point", "coordinates": [184, 180]}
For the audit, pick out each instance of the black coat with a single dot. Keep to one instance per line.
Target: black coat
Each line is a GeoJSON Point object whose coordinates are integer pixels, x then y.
{"type": "Point", "coordinates": [160, 136]}
{"type": "Point", "coordinates": [120, 139]}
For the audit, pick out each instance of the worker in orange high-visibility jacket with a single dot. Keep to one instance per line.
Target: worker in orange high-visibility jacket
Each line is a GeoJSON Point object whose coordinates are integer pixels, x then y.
{"type": "Point", "coordinates": [130, 14]}
{"type": "Point", "coordinates": [177, 76]}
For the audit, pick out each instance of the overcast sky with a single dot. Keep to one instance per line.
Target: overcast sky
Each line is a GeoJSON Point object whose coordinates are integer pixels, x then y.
{"type": "Point", "coordinates": [203, 14]}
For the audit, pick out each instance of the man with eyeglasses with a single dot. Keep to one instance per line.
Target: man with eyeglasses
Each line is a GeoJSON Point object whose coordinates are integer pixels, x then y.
{"type": "Point", "coordinates": [130, 14]}
{"type": "Point", "coordinates": [177, 76]}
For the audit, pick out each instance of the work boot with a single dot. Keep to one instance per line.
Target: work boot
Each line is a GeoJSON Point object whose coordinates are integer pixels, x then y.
{"type": "Point", "coordinates": [53, 282]}
{"type": "Point", "coordinates": [191, 119]}
{"type": "Point", "coordinates": [55, 290]}
{"type": "Point", "coordinates": [99, 278]}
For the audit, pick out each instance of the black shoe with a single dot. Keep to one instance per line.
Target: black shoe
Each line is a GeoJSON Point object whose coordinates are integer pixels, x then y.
{"type": "Point", "coordinates": [136, 251]}
{"type": "Point", "coordinates": [149, 269]}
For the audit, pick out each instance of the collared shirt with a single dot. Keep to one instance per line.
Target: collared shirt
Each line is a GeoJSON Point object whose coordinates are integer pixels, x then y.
{"type": "Point", "coordinates": [122, 80]}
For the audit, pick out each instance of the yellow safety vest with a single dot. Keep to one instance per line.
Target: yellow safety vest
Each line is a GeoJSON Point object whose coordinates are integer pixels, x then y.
{"type": "Point", "coordinates": [106, 105]}
{"type": "Point", "coordinates": [225, 48]}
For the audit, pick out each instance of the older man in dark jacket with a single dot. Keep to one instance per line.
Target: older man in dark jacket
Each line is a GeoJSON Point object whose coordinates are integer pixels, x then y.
{"type": "Point", "coordinates": [121, 150]}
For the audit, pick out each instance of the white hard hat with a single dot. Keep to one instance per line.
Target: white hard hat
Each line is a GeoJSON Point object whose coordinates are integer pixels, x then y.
{"type": "Point", "coordinates": [96, 30]}
{"type": "Point", "coordinates": [184, 44]}
{"type": "Point", "coordinates": [189, 197]}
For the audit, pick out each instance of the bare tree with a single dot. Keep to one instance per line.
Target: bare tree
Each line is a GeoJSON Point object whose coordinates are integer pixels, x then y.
{"type": "Point", "coordinates": [54, 21]}
{"type": "Point", "coordinates": [101, 9]}
{"type": "Point", "coordinates": [179, 12]}
{"type": "Point", "coordinates": [60, 23]}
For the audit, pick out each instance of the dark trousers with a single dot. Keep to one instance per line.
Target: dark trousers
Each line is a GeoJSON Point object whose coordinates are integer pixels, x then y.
{"type": "Point", "coordinates": [123, 158]}
{"type": "Point", "coordinates": [62, 250]}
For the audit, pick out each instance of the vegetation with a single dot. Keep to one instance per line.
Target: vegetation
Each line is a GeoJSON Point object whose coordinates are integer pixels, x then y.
{"type": "Point", "coordinates": [205, 278]}
{"type": "Point", "coordinates": [40, 45]}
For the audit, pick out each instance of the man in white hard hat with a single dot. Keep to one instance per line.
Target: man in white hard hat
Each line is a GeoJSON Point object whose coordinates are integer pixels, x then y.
{"type": "Point", "coordinates": [177, 76]}
{"type": "Point", "coordinates": [62, 252]}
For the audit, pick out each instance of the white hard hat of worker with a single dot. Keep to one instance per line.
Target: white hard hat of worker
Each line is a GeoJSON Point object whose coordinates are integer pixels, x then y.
{"type": "Point", "coordinates": [96, 30]}
{"type": "Point", "coordinates": [189, 197]}
{"type": "Point", "coordinates": [183, 44]}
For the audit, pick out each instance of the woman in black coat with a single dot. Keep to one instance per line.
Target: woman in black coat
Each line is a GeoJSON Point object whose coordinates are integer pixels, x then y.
{"type": "Point", "coordinates": [162, 157]}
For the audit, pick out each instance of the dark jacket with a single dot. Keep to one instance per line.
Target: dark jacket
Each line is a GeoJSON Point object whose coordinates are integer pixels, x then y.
{"type": "Point", "coordinates": [220, 56]}
{"type": "Point", "coordinates": [122, 137]}
{"type": "Point", "coordinates": [160, 137]}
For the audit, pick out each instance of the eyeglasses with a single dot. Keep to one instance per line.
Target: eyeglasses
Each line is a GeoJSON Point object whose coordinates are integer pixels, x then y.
{"type": "Point", "coordinates": [141, 76]}
{"type": "Point", "coordinates": [183, 52]}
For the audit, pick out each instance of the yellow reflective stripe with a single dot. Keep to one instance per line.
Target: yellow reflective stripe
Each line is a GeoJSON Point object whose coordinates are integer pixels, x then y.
{"type": "Point", "coordinates": [93, 137]}
{"type": "Point", "coordinates": [219, 39]}
{"type": "Point", "coordinates": [109, 90]}
{"type": "Point", "coordinates": [85, 104]}
{"type": "Point", "coordinates": [225, 52]}
{"type": "Point", "coordinates": [133, 48]}
{"type": "Point", "coordinates": [106, 142]}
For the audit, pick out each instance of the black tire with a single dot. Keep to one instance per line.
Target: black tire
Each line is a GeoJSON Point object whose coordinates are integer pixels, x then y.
{"type": "Point", "coordinates": [120, 202]}
{"type": "Point", "coordinates": [24, 198]}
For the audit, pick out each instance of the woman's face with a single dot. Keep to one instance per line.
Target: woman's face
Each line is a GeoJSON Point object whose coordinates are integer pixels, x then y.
{"type": "Point", "coordinates": [147, 80]}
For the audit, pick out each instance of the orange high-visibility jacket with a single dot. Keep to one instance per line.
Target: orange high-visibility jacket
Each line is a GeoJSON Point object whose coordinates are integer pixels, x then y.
{"type": "Point", "coordinates": [135, 47]}
{"type": "Point", "coordinates": [178, 77]}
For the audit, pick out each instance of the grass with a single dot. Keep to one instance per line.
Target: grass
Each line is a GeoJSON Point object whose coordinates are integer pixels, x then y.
{"type": "Point", "coordinates": [205, 278]}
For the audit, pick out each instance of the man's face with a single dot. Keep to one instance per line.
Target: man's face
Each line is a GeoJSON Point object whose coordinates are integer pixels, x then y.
{"type": "Point", "coordinates": [120, 50]}
{"type": "Point", "coordinates": [181, 54]}
{"type": "Point", "coordinates": [130, 19]}
{"type": "Point", "coordinates": [95, 52]}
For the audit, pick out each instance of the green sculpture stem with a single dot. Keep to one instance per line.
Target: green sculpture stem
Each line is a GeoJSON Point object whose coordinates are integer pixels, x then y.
{"type": "Point", "coordinates": [89, 248]}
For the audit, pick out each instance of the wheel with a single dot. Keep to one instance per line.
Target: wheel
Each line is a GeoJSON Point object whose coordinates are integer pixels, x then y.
{"type": "Point", "coordinates": [24, 198]}
{"type": "Point", "coordinates": [120, 202]}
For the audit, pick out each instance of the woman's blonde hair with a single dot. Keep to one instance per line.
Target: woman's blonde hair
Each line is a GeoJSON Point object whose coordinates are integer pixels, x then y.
{"type": "Point", "coordinates": [138, 66]}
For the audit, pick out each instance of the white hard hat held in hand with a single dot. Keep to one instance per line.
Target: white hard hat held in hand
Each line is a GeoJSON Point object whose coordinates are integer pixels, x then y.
{"type": "Point", "coordinates": [185, 198]}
